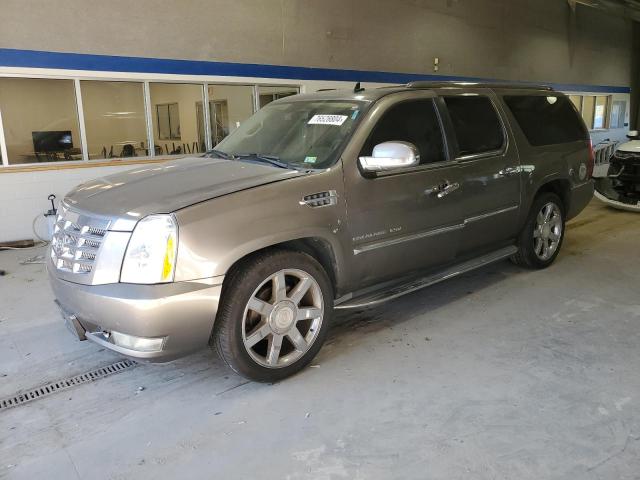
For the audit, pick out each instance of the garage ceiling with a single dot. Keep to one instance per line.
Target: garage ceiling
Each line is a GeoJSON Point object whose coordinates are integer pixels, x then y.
{"type": "Point", "coordinates": [623, 8]}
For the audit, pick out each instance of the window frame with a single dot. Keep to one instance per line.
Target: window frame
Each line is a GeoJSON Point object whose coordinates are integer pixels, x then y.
{"type": "Point", "coordinates": [447, 147]}
{"type": "Point", "coordinates": [145, 80]}
{"type": "Point", "coordinates": [454, 138]}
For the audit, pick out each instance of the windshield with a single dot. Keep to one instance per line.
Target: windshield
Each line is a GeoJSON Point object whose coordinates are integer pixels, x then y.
{"type": "Point", "coordinates": [302, 134]}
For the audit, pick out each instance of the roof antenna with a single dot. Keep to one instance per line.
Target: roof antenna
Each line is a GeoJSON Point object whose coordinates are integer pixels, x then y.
{"type": "Point", "coordinates": [358, 88]}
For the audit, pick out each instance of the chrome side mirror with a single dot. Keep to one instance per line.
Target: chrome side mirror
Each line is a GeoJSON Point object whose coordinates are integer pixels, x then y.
{"type": "Point", "coordinates": [390, 156]}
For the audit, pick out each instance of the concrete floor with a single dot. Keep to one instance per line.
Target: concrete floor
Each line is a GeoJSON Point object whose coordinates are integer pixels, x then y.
{"type": "Point", "coordinates": [500, 374]}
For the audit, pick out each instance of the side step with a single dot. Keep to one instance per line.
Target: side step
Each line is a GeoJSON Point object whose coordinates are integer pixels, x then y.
{"type": "Point", "coordinates": [381, 295]}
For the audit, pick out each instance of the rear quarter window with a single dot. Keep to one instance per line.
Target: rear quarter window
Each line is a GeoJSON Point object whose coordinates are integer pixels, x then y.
{"type": "Point", "coordinates": [546, 120]}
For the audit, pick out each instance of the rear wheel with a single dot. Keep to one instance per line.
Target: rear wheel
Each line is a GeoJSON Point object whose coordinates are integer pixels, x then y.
{"type": "Point", "coordinates": [541, 238]}
{"type": "Point", "coordinates": [274, 315]}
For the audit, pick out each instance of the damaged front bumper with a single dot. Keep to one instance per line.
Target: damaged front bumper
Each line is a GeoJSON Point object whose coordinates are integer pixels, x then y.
{"type": "Point", "coordinates": [146, 322]}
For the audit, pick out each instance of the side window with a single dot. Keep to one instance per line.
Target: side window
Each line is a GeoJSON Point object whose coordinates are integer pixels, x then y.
{"type": "Point", "coordinates": [476, 124]}
{"type": "Point", "coordinates": [546, 120]}
{"type": "Point", "coordinates": [413, 121]}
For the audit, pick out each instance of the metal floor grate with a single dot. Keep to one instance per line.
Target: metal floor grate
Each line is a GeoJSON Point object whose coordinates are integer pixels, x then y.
{"type": "Point", "coordinates": [54, 387]}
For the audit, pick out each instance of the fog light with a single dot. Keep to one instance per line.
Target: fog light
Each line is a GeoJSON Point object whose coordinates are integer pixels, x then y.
{"type": "Point", "coordinates": [139, 344]}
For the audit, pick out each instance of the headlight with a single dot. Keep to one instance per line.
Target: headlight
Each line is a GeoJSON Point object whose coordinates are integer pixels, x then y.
{"type": "Point", "coordinates": [151, 253]}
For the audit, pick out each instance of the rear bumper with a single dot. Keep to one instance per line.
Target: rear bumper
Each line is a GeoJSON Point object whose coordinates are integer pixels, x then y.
{"type": "Point", "coordinates": [182, 313]}
{"type": "Point", "coordinates": [581, 195]}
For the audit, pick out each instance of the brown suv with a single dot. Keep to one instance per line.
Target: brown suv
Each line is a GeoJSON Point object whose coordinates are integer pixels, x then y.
{"type": "Point", "coordinates": [332, 200]}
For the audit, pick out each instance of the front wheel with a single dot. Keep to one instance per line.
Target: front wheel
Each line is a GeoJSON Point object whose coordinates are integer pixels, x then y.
{"type": "Point", "coordinates": [274, 315]}
{"type": "Point", "coordinates": [541, 238]}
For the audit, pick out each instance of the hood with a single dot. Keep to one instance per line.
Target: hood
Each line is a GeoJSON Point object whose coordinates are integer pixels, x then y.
{"type": "Point", "coordinates": [632, 146]}
{"type": "Point", "coordinates": [167, 187]}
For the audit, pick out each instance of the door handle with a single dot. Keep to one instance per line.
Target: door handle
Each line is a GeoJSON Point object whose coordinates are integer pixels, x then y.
{"type": "Point", "coordinates": [509, 171]}
{"type": "Point", "coordinates": [447, 189]}
{"type": "Point", "coordinates": [441, 189]}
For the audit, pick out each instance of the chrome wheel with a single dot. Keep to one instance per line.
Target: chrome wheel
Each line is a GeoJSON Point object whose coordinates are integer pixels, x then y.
{"type": "Point", "coordinates": [548, 231]}
{"type": "Point", "coordinates": [282, 318]}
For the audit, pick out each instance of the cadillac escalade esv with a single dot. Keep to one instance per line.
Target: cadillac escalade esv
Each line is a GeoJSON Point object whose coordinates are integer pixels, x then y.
{"type": "Point", "coordinates": [331, 200]}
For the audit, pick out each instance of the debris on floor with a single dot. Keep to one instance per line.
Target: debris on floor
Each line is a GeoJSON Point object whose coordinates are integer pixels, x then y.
{"type": "Point", "coordinates": [36, 259]}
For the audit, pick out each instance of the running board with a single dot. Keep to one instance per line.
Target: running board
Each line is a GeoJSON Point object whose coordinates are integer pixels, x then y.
{"type": "Point", "coordinates": [381, 295]}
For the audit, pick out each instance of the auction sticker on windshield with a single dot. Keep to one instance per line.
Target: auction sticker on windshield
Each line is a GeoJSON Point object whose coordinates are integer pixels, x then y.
{"type": "Point", "coordinates": [327, 120]}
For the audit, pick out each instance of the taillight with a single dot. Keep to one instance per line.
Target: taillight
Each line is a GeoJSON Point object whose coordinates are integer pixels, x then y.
{"type": "Point", "coordinates": [592, 160]}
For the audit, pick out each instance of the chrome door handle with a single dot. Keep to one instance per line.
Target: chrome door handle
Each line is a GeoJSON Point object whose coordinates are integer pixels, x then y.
{"type": "Point", "coordinates": [447, 189]}
{"type": "Point", "coordinates": [509, 171]}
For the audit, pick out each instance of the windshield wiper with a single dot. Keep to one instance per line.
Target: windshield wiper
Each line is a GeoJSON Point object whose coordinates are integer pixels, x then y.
{"type": "Point", "coordinates": [219, 153]}
{"type": "Point", "coordinates": [270, 159]}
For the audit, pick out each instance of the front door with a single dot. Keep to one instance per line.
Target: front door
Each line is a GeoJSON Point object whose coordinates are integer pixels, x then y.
{"type": "Point", "coordinates": [405, 220]}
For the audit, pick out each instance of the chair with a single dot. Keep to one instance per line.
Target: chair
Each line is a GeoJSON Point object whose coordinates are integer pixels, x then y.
{"type": "Point", "coordinates": [128, 150]}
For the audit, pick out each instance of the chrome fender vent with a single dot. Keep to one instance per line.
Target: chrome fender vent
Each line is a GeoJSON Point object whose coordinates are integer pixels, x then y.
{"type": "Point", "coordinates": [321, 199]}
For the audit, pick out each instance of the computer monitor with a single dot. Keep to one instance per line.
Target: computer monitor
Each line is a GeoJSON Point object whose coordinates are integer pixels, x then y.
{"type": "Point", "coordinates": [52, 141]}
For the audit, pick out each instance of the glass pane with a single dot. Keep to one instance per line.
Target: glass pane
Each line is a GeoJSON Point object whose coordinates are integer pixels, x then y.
{"type": "Point", "coordinates": [269, 93]}
{"type": "Point", "coordinates": [546, 120]}
{"type": "Point", "coordinates": [618, 112]}
{"type": "Point", "coordinates": [229, 106]}
{"type": "Point", "coordinates": [415, 122]}
{"type": "Point", "coordinates": [588, 107]}
{"type": "Point", "coordinates": [306, 134]}
{"type": "Point", "coordinates": [600, 112]}
{"type": "Point", "coordinates": [40, 120]}
{"type": "Point", "coordinates": [114, 119]}
{"type": "Point", "coordinates": [476, 124]}
{"type": "Point", "coordinates": [175, 112]}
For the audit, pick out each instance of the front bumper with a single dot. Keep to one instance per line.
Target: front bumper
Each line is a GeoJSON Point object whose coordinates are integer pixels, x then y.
{"type": "Point", "coordinates": [182, 313]}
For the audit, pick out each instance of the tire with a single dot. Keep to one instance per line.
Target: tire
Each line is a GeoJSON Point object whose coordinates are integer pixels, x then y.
{"type": "Point", "coordinates": [257, 321]}
{"type": "Point", "coordinates": [531, 250]}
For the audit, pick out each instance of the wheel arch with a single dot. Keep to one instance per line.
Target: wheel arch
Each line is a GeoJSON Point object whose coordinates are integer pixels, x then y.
{"type": "Point", "coordinates": [317, 247]}
{"type": "Point", "coordinates": [559, 186]}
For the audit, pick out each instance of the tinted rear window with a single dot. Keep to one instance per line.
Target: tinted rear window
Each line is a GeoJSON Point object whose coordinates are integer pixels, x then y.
{"type": "Point", "coordinates": [546, 120]}
{"type": "Point", "coordinates": [476, 124]}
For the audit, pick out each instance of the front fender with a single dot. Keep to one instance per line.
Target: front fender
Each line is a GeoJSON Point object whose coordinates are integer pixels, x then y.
{"type": "Point", "coordinates": [214, 235]}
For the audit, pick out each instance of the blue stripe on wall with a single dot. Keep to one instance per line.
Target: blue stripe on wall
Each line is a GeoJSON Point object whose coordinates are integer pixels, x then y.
{"type": "Point", "coordinates": [108, 63]}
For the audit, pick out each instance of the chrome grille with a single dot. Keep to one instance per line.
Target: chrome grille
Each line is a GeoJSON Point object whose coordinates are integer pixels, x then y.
{"type": "Point", "coordinates": [76, 242]}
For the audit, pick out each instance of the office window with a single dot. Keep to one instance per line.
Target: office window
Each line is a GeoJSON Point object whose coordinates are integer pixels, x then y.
{"type": "Point", "coordinates": [618, 113]}
{"type": "Point", "coordinates": [577, 101]}
{"type": "Point", "coordinates": [476, 124]}
{"type": "Point", "coordinates": [229, 107]}
{"type": "Point", "coordinates": [114, 117]}
{"type": "Point", "coordinates": [40, 120]}
{"type": "Point", "coordinates": [600, 112]}
{"type": "Point", "coordinates": [415, 122]}
{"type": "Point", "coordinates": [595, 111]}
{"type": "Point", "coordinates": [176, 117]}
{"type": "Point", "coordinates": [588, 109]}
{"type": "Point", "coordinates": [546, 120]}
{"type": "Point", "coordinates": [268, 93]}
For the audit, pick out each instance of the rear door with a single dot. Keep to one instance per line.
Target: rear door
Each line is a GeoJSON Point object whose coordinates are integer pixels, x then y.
{"type": "Point", "coordinates": [489, 168]}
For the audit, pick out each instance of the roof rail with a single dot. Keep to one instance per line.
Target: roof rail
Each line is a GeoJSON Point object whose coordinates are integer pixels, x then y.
{"type": "Point", "coordinates": [471, 84]}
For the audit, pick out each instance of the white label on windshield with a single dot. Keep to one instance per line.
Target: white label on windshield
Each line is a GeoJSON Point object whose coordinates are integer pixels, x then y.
{"type": "Point", "coordinates": [327, 120]}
